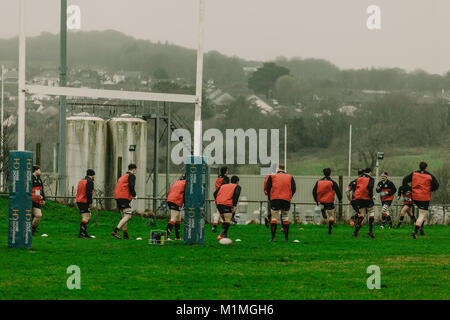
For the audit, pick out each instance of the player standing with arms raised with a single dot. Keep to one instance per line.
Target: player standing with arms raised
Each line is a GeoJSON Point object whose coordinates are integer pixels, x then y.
{"type": "Point", "coordinates": [175, 200]}
{"type": "Point", "coordinates": [387, 190]}
{"type": "Point", "coordinates": [323, 192]}
{"type": "Point", "coordinates": [422, 184]}
{"type": "Point", "coordinates": [123, 194]}
{"type": "Point", "coordinates": [85, 191]}
{"type": "Point", "coordinates": [280, 188]}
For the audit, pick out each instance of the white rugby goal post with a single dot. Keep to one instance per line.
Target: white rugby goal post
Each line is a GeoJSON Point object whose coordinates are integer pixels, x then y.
{"type": "Point", "coordinates": [109, 94]}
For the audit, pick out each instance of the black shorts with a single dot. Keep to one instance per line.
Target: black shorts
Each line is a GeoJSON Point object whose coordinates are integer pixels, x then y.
{"type": "Point", "coordinates": [354, 206]}
{"type": "Point", "coordinates": [224, 209]}
{"type": "Point", "coordinates": [388, 202]}
{"type": "Point", "coordinates": [408, 205]}
{"type": "Point", "coordinates": [328, 206]}
{"type": "Point", "coordinates": [84, 207]}
{"type": "Point", "coordinates": [278, 204]}
{"type": "Point", "coordinates": [36, 205]}
{"type": "Point", "coordinates": [123, 204]}
{"type": "Point", "coordinates": [422, 205]}
{"type": "Point", "coordinates": [364, 204]}
{"type": "Point", "coordinates": [173, 206]}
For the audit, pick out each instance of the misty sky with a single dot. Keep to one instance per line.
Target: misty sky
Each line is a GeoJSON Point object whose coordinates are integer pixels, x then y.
{"type": "Point", "coordinates": [415, 33]}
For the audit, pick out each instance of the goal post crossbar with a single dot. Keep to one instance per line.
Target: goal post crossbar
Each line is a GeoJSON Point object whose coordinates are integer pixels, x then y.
{"type": "Point", "coordinates": [110, 94]}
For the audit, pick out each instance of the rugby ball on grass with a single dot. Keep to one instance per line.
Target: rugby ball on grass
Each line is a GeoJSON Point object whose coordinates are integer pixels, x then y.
{"type": "Point", "coordinates": [225, 241]}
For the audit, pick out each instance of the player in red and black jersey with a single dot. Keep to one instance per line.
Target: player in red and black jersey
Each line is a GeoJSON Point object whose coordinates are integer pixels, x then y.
{"type": "Point", "coordinates": [124, 193]}
{"type": "Point", "coordinates": [280, 189]}
{"type": "Point", "coordinates": [175, 200]}
{"type": "Point", "coordinates": [227, 197]}
{"type": "Point", "coordinates": [408, 204]}
{"type": "Point", "coordinates": [85, 191]}
{"type": "Point", "coordinates": [364, 200]}
{"type": "Point", "coordinates": [387, 190]}
{"type": "Point", "coordinates": [422, 184]}
{"type": "Point", "coordinates": [221, 179]}
{"type": "Point", "coordinates": [323, 192]}
{"type": "Point", "coordinates": [38, 198]}
{"type": "Point", "coordinates": [351, 198]}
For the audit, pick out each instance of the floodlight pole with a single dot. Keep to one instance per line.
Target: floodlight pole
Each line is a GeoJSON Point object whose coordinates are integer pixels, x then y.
{"type": "Point", "coordinates": [349, 161]}
{"type": "Point", "coordinates": [285, 147]}
{"type": "Point", "coordinates": [1, 125]}
{"type": "Point", "coordinates": [21, 92]}
{"type": "Point", "coordinates": [350, 153]}
{"type": "Point", "coordinates": [199, 83]}
{"type": "Point", "coordinates": [62, 102]}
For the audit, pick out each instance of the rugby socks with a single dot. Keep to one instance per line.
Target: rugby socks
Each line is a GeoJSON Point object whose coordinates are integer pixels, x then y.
{"type": "Point", "coordinates": [273, 229]}
{"type": "Point", "coordinates": [413, 218]}
{"type": "Point", "coordinates": [371, 219]}
{"type": "Point", "coordinates": [225, 226]}
{"type": "Point", "coordinates": [358, 224]}
{"type": "Point", "coordinates": [330, 226]}
{"type": "Point", "coordinates": [169, 227]}
{"type": "Point", "coordinates": [389, 220]}
{"type": "Point", "coordinates": [83, 227]}
{"type": "Point", "coordinates": [383, 219]}
{"type": "Point", "coordinates": [286, 230]}
{"type": "Point", "coordinates": [400, 221]}
{"type": "Point", "coordinates": [177, 229]}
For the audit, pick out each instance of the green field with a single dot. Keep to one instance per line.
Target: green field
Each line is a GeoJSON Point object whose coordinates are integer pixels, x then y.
{"type": "Point", "coordinates": [397, 162]}
{"type": "Point", "coordinates": [318, 267]}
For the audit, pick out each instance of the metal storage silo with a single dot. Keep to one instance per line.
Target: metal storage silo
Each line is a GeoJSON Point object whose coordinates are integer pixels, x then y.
{"type": "Point", "coordinates": [127, 143]}
{"type": "Point", "coordinates": [86, 149]}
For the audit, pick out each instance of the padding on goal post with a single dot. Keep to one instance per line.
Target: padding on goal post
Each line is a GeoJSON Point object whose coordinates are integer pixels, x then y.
{"type": "Point", "coordinates": [20, 205]}
{"type": "Point", "coordinates": [195, 200]}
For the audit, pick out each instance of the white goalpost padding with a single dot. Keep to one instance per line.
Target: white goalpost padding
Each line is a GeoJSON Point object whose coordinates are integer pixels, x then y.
{"type": "Point", "coordinates": [109, 94]}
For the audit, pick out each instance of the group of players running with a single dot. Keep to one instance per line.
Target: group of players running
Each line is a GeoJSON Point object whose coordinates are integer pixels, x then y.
{"type": "Point", "coordinates": [279, 188]}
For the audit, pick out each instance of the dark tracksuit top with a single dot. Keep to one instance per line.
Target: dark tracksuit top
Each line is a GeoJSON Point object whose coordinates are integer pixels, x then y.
{"type": "Point", "coordinates": [234, 199]}
{"type": "Point", "coordinates": [282, 194]}
{"type": "Point", "coordinates": [364, 188]}
{"type": "Point", "coordinates": [89, 190]}
{"type": "Point", "coordinates": [387, 185]}
{"type": "Point", "coordinates": [37, 182]}
{"type": "Point", "coordinates": [325, 189]}
{"type": "Point", "coordinates": [422, 184]}
{"type": "Point", "coordinates": [221, 180]}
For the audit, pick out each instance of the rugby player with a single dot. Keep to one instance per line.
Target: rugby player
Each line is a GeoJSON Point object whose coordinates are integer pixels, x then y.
{"type": "Point", "coordinates": [221, 179]}
{"type": "Point", "coordinates": [351, 198]}
{"type": "Point", "coordinates": [175, 200]}
{"type": "Point", "coordinates": [85, 191]}
{"type": "Point", "coordinates": [408, 204]}
{"type": "Point", "coordinates": [38, 198]}
{"type": "Point", "coordinates": [280, 188]}
{"type": "Point", "coordinates": [226, 198]}
{"type": "Point", "coordinates": [123, 194]}
{"type": "Point", "coordinates": [387, 190]}
{"type": "Point", "coordinates": [422, 184]}
{"type": "Point", "coordinates": [324, 192]}
{"type": "Point", "coordinates": [364, 200]}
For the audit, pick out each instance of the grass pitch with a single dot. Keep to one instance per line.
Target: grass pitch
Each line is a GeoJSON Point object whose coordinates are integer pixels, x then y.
{"type": "Point", "coordinates": [318, 267]}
